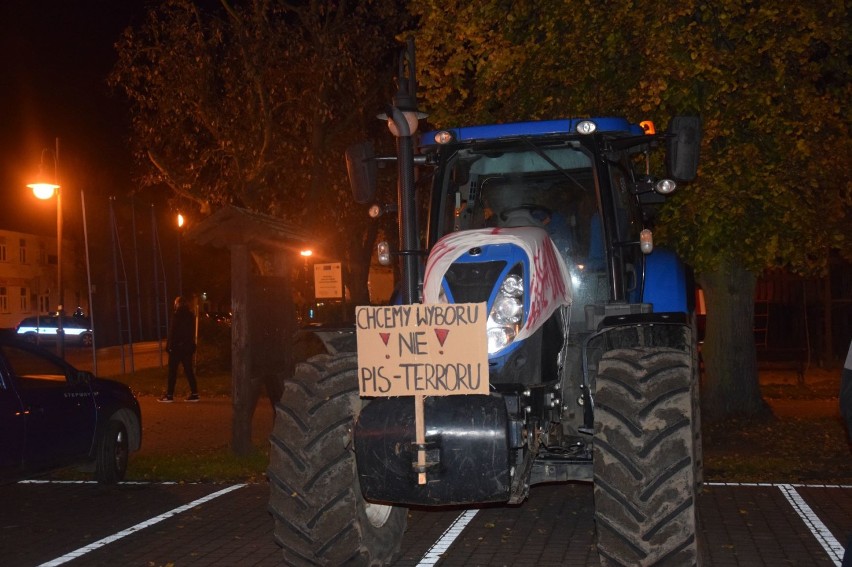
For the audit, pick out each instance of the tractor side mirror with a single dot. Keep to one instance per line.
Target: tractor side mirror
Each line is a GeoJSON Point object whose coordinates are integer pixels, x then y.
{"type": "Point", "coordinates": [361, 166]}
{"type": "Point", "coordinates": [682, 147]}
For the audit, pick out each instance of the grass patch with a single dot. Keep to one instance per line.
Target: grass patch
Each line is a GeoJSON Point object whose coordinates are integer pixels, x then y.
{"type": "Point", "coordinates": [218, 465]}
{"type": "Point", "coordinates": [777, 450]}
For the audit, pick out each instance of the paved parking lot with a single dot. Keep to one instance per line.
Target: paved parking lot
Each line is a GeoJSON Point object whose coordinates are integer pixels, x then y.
{"type": "Point", "coordinates": [227, 525]}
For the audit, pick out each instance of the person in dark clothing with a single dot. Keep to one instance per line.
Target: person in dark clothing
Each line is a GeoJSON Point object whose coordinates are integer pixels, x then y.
{"type": "Point", "coordinates": [181, 348]}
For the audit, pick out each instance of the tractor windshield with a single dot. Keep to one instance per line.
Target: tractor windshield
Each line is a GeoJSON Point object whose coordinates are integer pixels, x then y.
{"type": "Point", "coordinates": [552, 187]}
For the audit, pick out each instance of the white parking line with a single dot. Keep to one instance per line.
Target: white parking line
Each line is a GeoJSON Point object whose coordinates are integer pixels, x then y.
{"type": "Point", "coordinates": [822, 534]}
{"type": "Point", "coordinates": [140, 526]}
{"type": "Point", "coordinates": [123, 482]}
{"type": "Point", "coordinates": [433, 555]}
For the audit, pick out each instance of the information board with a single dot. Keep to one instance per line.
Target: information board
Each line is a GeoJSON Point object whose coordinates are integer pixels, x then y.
{"type": "Point", "coordinates": [328, 281]}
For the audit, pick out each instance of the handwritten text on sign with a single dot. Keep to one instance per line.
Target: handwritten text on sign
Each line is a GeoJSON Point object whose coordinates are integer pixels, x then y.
{"type": "Point", "coordinates": [429, 350]}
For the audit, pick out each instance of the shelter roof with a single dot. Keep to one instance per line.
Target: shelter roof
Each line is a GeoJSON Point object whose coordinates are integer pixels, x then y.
{"type": "Point", "coordinates": [234, 225]}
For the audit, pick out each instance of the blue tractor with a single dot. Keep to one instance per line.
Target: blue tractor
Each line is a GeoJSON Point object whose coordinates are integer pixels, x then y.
{"type": "Point", "coordinates": [591, 347]}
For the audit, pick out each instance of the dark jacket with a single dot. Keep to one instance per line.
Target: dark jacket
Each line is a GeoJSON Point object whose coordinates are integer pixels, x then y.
{"type": "Point", "coordinates": [182, 332]}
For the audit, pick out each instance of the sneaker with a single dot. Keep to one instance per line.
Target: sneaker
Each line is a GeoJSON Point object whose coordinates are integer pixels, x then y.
{"type": "Point", "coordinates": [193, 398]}
{"type": "Point", "coordinates": [166, 399]}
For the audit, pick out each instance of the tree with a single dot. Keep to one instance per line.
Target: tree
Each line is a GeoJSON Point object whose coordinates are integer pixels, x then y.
{"type": "Point", "coordinates": [770, 82]}
{"type": "Point", "coordinates": [253, 103]}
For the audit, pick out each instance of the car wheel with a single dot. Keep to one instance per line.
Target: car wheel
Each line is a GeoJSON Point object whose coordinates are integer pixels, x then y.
{"type": "Point", "coordinates": [86, 339]}
{"type": "Point", "coordinates": [111, 459]}
{"type": "Point", "coordinates": [31, 337]}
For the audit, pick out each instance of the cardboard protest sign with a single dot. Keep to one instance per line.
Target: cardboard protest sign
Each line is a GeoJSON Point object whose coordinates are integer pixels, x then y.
{"type": "Point", "coordinates": [426, 350]}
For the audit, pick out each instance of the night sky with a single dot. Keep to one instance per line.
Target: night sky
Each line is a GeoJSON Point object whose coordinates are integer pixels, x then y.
{"type": "Point", "coordinates": [56, 55]}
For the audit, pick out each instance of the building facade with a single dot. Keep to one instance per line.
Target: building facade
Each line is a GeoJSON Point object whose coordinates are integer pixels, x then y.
{"type": "Point", "coordinates": [28, 277]}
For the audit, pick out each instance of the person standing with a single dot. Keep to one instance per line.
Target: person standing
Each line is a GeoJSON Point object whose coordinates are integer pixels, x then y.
{"type": "Point", "coordinates": [181, 348]}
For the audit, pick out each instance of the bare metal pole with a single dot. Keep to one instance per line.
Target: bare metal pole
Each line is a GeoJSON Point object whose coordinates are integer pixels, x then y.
{"type": "Point", "coordinates": [89, 282]}
{"type": "Point", "coordinates": [157, 264]}
{"type": "Point", "coordinates": [136, 266]}
{"type": "Point", "coordinates": [60, 339]}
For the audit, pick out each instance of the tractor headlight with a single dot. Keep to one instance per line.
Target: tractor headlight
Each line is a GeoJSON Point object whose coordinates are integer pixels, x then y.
{"type": "Point", "coordinates": [507, 313]}
{"type": "Point", "coordinates": [513, 286]}
{"type": "Point", "coordinates": [507, 310]}
{"type": "Point", "coordinates": [499, 337]}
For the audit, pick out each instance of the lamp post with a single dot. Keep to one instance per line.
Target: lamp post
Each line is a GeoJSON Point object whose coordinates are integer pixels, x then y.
{"type": "Point", "coordinates": [180, 222]}
{"type": "Point", "coordinates": [306, 253]}
{"type": "Point", "coordinates": [44, 189]}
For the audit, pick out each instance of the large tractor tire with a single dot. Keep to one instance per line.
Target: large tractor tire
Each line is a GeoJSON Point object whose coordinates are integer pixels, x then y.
{"type": "Point", "coordinates": [320, 516]}
{"type": "Point", "coordinates": [644, 458]}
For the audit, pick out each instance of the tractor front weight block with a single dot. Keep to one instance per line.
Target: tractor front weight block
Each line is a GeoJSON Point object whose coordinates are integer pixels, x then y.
{"type": "Point", "coordinates": [467, 451]}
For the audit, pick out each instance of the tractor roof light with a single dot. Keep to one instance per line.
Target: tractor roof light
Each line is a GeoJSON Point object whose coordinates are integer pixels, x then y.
{"type": "Point", "coordinates": [444, 137]}
{"type": "Point", "coordinates": [665, 186]}
{"type": "Point", "coordinates": [586, 127]}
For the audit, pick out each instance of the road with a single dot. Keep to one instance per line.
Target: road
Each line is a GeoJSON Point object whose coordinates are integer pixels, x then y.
{"type": "Point", "coordinates": [227, 525]}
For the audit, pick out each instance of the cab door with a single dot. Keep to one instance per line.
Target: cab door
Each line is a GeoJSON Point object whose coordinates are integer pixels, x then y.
{"type": "Point", "coordinates": [59, 408]}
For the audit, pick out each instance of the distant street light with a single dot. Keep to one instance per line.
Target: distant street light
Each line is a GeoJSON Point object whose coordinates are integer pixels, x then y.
{"type": "Point", "coordinates": [307, 253]}
{"type": "Point", "coordinates": [180, 222]}
{"type": "Point", "coordinates": [45, 189]}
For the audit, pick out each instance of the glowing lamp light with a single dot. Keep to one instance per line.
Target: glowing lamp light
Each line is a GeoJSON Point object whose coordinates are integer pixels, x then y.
{"type": "Point", "coordinates": [646, 241]}
{"type": "Point", "coordinates": [384, 253]}
{"type": "Point", "coordinates": [180, 220]}
{"type": "Point", "coordinates": [43, 190]}
{"type": "Point", "coordinates": [306, 253]}
{"type": "Point", "coordinates": [413, 120]}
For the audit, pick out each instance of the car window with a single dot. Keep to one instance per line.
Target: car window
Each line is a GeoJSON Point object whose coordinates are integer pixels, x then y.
{"type": "Point", "coordinates": [26, 364]}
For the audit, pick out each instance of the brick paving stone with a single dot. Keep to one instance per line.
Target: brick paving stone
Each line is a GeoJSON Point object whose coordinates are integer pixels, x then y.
{"type": "Point", "coordinates": [739, 526]}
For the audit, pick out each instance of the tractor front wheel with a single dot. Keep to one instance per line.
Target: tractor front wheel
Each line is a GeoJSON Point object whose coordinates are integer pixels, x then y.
{"type": "Point", "coordinates": [644, 458]}
{"type": "Point", "coordinates": [321, 518]}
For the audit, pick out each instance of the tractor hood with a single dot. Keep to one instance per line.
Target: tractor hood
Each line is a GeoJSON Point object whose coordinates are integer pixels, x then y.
{"type": "Point", "coordinates": [548, 284]}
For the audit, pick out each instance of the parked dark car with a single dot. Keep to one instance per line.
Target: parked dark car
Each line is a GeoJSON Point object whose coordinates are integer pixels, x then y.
{"type": "Point", "coordinates": [77, 330]}
{"type": "Point", "coordinates": [53, 415]}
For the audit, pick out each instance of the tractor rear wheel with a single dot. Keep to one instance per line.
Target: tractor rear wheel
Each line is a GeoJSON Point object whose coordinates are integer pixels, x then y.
{"type": "Point", "coordinates": [644, 458]}
{"type": "Point", "coordinates": [320, 516]}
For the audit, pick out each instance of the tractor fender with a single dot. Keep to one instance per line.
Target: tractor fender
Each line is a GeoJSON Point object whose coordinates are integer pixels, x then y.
{"type": "Point", "coordinates": [665, 282]}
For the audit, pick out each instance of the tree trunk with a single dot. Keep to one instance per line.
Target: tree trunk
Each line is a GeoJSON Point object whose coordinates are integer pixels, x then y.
{"type": "Point", "coordinates": [731, 385]}
{"type": "Point", "coordinates": [242, 391]}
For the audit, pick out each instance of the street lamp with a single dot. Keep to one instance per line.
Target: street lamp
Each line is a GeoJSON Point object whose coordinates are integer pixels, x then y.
{"type": "Point", "coordinates": [44, 189]}
{"type": "Point", "coordinates": [306, 253]}
{"type": "Point", "coordinates": [180, 222]}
